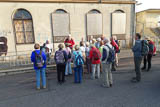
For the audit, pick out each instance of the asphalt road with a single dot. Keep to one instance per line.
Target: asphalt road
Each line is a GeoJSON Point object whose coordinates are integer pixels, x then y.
{"type": "Point", "coordinates": [19, 90]}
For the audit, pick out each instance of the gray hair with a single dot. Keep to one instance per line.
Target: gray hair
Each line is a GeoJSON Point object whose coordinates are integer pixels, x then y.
{"type": "Point", "coordinates": [76, 47]}
{"type": "Point", "coordinates": [106, 40]}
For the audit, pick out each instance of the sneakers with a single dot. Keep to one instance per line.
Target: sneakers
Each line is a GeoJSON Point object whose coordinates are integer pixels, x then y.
{"type": "Point", "coordinates": [44, 87]}
{"type": "Point", "coordinates": [106, 86]}
{"type": "Point", "coordinates": [134, 80]}
{"type": "Point", "coordinates": [38, 88]}
{"type": "Point", "coordinates": [143, 68]}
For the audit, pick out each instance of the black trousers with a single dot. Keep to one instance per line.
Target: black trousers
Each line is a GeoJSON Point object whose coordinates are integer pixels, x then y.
{"type": "Point", "coordinates": [61, 72]}
{"type": "Point", "coordinates": [147, 58]}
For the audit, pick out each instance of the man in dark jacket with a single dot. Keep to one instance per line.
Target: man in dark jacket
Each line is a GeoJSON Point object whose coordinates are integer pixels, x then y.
{"type": "Point", "coordinates": [137, 57]}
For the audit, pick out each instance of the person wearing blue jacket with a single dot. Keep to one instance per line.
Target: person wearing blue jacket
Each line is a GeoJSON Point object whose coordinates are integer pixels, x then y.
{"type": "Point", "coordinates": [137, 50]}
{"type": "Point", "coordinates": [40, 71]}
{"type": "Point", "coordinates": [78, 62]}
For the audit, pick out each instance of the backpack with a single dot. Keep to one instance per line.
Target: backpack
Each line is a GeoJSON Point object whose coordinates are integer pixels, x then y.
{"type": "Point", "coordinates": [145, 48]}
{"type": "Point", "coordinates": [96, 54]}
{"type": "Point", "coordinates": [59, 56]}
{"type": "Point", "coordinates": [38, 60]}
{"type": "Point", "coordinates": [151, 47]}
{"type": "Point", "coordinates": [118, 49]}
{"type": "Point", "coordinates": [111, 56]}
{"type": "Point", "coordinates": [69, 55]}
{"type": "Point", "coordinates": [79, 61]}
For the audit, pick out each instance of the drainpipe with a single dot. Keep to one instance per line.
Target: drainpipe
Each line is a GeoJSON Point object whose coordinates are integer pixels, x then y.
{"type": "Point", "coordinates": [133, 23]}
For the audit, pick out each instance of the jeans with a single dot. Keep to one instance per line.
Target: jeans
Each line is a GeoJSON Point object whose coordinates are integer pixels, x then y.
{"type": "Point", "coordinates": [137, 62]}
{"type": "Point", "coordinates": [88, 64]}
{"type": "Point", "coordinates": [68, 69]}
{"type": "Point", "coordinates": [61, 72]}
{"type": "Point", "coordinates": [147, 58]}
{"type": "Point", "coordinates": [41, 73]}
{"type": "Point", "coordinates": [48, 58]}
{"type": "Point", "coordinates": [78, 74]}
{"type": "Point", "coordinates": [95, 67]}
{"type": "Point", "coordinates": [106, 75]}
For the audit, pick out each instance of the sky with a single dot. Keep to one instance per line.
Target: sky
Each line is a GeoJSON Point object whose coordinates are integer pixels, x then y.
{"type": "Point", "coordinates": [147, 4]}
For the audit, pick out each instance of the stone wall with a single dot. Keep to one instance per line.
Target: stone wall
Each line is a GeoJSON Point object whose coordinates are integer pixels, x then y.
{"type": "Point", "coordinates": [41, 15]}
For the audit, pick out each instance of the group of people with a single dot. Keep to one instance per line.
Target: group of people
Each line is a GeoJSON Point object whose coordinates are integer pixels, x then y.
{"type": "Point", "coordinates": [99, 56]}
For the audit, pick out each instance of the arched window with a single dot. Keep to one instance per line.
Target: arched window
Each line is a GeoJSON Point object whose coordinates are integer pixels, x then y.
{"type": "Point", "coordinates": [94, 24]}
{"type": "Point", "coordinates": [61, 25]}
{"type": "Point", "coordinates": [119, 24]}
{"type": "Point", "coordinates": [23, 27]}
{"type": "Point", "coordinates": [94, 11]}
{"type": "Point", "coordinates": [60, 11]}
{"type": "Point", "coordinates": [119, 11]}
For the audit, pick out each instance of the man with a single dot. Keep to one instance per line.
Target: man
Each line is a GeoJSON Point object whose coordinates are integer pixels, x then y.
{"type": "Point", "coordinates": [70, 41]}
{"type": "Point", "coordinates": [148, 57]}
{"type": "Point", "coordinates": [95, 57]}
{"type": "Point", "coordinates": [106, 65]}
{"type": "Point", "coordinates": [137, 50]}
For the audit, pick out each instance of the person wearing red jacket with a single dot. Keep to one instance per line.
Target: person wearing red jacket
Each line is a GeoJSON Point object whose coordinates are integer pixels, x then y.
{"type": "Point", "coordinates": [154, 50]}
{"type": "Point", "coordinates": [116, 48]}
{"type": "Point", "coordinates": [70, 41]}
{"type": "Point", "coordinates": [95, 57]}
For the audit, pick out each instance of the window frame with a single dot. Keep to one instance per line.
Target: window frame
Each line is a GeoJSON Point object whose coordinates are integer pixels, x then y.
{"type": "Point", "coordinates": [93, 11]}
{"type": "Point", "coordinates": [23, 27]}
{"type": "Point", "coordinates": [59, 38]}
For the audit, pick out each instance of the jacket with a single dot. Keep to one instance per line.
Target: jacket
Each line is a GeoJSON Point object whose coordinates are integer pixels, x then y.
{"type": "Point", "coordinates": [33, 58]}
{"type": "Point", "coordinates": [91, 56]}
{"type": "Point", "coordinates": [74, 56]}
{"type": "Point", "coordinates": [71, 42]}
{"type": "Point", "coordinates": [137, 48]}
{"type": "Point", "coordinates": [151, 47]}
{"type": "Point", "coordinates": [115, 45]}
{"type": "Point", "coordinates": [65, 56]}
{"type": "Point", "coordinates": [105, 53]}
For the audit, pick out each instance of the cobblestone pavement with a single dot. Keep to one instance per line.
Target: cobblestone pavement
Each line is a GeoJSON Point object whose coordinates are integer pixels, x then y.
{"type": "Point", "coordinates": [19, 90]}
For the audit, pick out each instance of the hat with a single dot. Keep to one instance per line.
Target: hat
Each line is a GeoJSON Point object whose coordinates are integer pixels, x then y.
{"type": "Point", "coordinates": [69, 35]}
{"type": "Point", "coordinates": [147, 38]}
{"type": "Point", "coordinates": [87, 43]}
{"type": "Point", "coordinates": [98, 39]}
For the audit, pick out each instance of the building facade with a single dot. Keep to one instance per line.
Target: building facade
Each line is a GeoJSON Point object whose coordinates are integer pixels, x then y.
{"type": "Point", "coordinates": [25, 22]}
{"type": "Point", "coordinates": [148, 23]}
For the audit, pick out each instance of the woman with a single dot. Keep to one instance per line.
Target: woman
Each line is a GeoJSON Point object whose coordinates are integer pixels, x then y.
{"type": "Point", "coordinates": [82, 48]}
{"type": "Point", "coordinates": [68, 70]}
{"type": "Point", "coordinates": [61, 60]}
{"type": "Point", "coordinates": [88, 61]}
{"type": "Point", "coordinates": [39, 59]}
{"type": "Point", "coordinates": [78, 64]}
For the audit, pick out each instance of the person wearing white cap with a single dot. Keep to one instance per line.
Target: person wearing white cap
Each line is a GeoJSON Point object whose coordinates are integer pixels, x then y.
{"type": "Point", "coordinates": [70, 41]}
{"type": "Point", "coordinates": [97, 44]}
{"type": "Point", "coordinates": [106, 64]}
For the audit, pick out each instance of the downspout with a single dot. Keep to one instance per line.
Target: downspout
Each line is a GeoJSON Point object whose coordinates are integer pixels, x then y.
{"type": "Point", "coordinates": [133, 24]}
